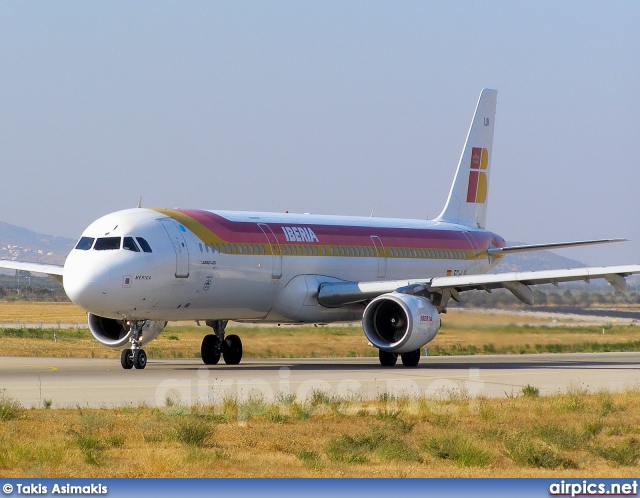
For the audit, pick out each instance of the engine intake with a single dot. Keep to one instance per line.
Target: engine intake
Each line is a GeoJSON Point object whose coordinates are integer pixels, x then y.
{"type": "Point", "coordinates": [116, 334]}
{"type": "Point", "coordinates": [400, 323]}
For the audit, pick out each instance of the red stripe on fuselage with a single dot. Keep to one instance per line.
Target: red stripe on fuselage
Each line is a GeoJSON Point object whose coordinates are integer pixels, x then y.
{"type": "Point", "coordinates": [342, 235]}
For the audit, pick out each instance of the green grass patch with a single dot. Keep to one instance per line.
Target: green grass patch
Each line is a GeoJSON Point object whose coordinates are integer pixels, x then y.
{"type": "Point", "coordinates": [528, 452]}
{"type": "Point", "coordinates": [10, 409]}
{"type": "Point", "coordinates": [563, 438]}
{"type": "Point", "coordinates": [310, 459]}
{"type": "Point", "coordinates": [193, 432]}
{"type": "Point", "coordinates": [91, 446]}
{"type": "Point", "coordinates": [45, 334]}
{"type": "Point", "coordinates": [375, 442]}
{"type": "Point", "coordinates": [530, 391]}
{"type": "Point", "coordinates": [593, 427]}
{"type": "Point", "coordinates": [457, 449]}
{"type": "Point", "coordinates": [625, 453]}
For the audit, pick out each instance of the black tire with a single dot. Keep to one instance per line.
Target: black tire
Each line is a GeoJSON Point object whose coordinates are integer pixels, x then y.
{"type": "Point", "coordinates": [387, 359]}
{"type": "Point", "coordinates": [209, 350]}
{"type": "Point", "coordinates": [232, 352]}
{"type": "Point", "coordinates": [125, 359]}
{"type": "Point", "coordinates": [411, 359]}
{"type": "Point", "coordinates": [139, 359]}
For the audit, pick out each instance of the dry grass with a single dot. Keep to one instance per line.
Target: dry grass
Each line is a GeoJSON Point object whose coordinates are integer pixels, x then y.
{"type": "Point", "coordinates": [553, 436]}
{"type": "Point", "coordinates": [34, 312]}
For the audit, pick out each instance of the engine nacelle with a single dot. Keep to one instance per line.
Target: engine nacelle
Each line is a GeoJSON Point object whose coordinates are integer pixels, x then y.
{"type": "Point", "coordinates": [116, 333]}
{"type": "Point", "coordinates": [400, 323]}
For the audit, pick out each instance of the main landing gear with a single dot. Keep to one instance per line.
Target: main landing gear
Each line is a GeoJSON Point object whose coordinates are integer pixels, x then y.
{"type": "Point", "coordinates": [214, 345]}
{"type": "Point", "coordinates": [134, 357]}
{"type": "Point", "coordinates": [410, 359]}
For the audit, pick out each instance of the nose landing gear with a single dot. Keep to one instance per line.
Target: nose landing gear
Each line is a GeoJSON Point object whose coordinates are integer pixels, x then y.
{"type": "Point", "coordinates": [134, 357]}
{"type": "Point", "coordinates": [214, 345]}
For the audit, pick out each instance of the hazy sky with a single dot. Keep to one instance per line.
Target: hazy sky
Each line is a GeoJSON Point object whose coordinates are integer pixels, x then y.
{"type": "Point", "coordinates": [324, 107]}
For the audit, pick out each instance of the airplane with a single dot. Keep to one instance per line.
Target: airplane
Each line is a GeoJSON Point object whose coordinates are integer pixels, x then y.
{"type": "Point", "coordinates": [136, 269]}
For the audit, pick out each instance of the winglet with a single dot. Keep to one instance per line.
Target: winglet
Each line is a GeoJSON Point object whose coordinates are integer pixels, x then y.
{"type": "Point", "coordinates": [467, 202]}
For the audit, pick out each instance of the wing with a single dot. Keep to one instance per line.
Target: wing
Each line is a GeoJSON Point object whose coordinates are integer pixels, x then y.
{"type": "Point", "coordinates": [53, 271]}
{"type": "Point", "coordinates": [336, 294]}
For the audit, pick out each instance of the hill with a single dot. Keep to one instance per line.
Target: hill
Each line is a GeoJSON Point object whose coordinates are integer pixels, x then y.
{"type": "Point", "coordinates": [17, 243]}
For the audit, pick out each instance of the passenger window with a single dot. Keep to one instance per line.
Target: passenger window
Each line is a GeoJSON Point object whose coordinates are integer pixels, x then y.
{"type": "Point", "coordinates": [144, 244]}
{"type": "Point", "coordinates": [130, 245]}
{"type": "Point", "coordinates": [85, 243]}
{"type": "Point", "coordinates": [107, 243]}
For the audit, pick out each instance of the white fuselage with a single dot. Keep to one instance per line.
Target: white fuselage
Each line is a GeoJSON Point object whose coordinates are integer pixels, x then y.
{"type": "Point", "coordinates": [206, 265]}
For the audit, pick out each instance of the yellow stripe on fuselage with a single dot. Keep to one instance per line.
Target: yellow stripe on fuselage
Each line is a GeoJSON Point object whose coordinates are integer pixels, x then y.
{"type": "Point", "coordinates": [211, 238]}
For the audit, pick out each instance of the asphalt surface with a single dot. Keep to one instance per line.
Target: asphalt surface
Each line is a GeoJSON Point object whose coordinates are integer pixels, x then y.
{"type": "Point", "coordinates": [71, 382]}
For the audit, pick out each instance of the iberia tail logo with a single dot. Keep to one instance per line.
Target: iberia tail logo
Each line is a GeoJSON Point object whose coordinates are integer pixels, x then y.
{"type": "Point", "coordinates": [477, 192]}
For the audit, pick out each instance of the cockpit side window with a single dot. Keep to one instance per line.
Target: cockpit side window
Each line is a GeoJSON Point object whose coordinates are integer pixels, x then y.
{"type": "Point", "coordinates": [85, 243]}
{"type": "Point", "coordinates": [107, 243]}
{"type": "Point", "coordinates": [130, 245]}
{"type": "Point", "coordinates": [144, 244]}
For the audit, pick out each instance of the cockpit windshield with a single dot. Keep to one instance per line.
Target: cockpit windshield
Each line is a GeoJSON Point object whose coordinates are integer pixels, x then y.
{"type": "Point", "coordinates": [144, 244]}
{"type": "Point", "coordinates": [130, 245]}
{"type": "Point", "coordinates": [107, 243]}
{"type": "Point", "coordinates": [85, 243]}
{"type": "Point", "coordinates": [134, 244]}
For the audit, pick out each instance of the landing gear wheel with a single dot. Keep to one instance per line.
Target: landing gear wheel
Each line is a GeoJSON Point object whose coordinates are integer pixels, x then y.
{"type": "Point", "coordinates": [139, 359]}
{"type": "Point", "coordinates": [411, 359]}
{"type": "Point", "coordinates": [210, 350]}
{"type": "Point", "coordinates": [232, 350]}
{"type": "Point", "coordinates": [126, 359]}
{"type": "Point", "coordinates": [387, 359]}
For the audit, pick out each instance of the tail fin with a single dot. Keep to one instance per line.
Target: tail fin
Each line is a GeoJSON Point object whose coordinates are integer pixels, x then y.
{"type": "Point", "coordinates": [467, 202]}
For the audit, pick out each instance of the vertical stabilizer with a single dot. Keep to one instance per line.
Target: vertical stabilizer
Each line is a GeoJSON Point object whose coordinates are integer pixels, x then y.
{"type": "Point", "coordinates": [467, 202]}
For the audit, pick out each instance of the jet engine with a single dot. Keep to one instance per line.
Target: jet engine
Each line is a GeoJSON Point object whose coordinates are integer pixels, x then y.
{"type": "Point", "coordinates": [400, 323]}
{"type": "Point", "coordinates": [116, 333]}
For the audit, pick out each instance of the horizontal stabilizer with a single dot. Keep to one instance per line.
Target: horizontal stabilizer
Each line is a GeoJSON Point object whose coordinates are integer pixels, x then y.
{"type": "Point", "coordinates": [497, 251]}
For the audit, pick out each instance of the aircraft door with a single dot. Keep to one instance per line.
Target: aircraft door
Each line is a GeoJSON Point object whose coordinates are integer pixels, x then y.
{"type": "Point", "coordinates": [276, 271]}
{"type": "Point", "coordinates": [472, 241]}
{"type": "Point", "coordinates": [382, 259]}
{"type": "Point", "coordinates": [174, 231]}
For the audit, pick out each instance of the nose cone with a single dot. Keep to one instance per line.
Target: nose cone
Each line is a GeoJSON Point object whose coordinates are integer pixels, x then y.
{"type": "Point", "coordinates": [87, 282]}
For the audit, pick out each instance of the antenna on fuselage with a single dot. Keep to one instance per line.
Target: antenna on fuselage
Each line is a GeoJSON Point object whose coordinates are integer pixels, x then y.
{"type": "Point", "coordinates": [140, 202]}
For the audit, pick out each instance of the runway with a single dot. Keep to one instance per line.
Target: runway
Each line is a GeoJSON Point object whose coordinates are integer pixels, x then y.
{"type": "Point", "coordinates": [71, 382]}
